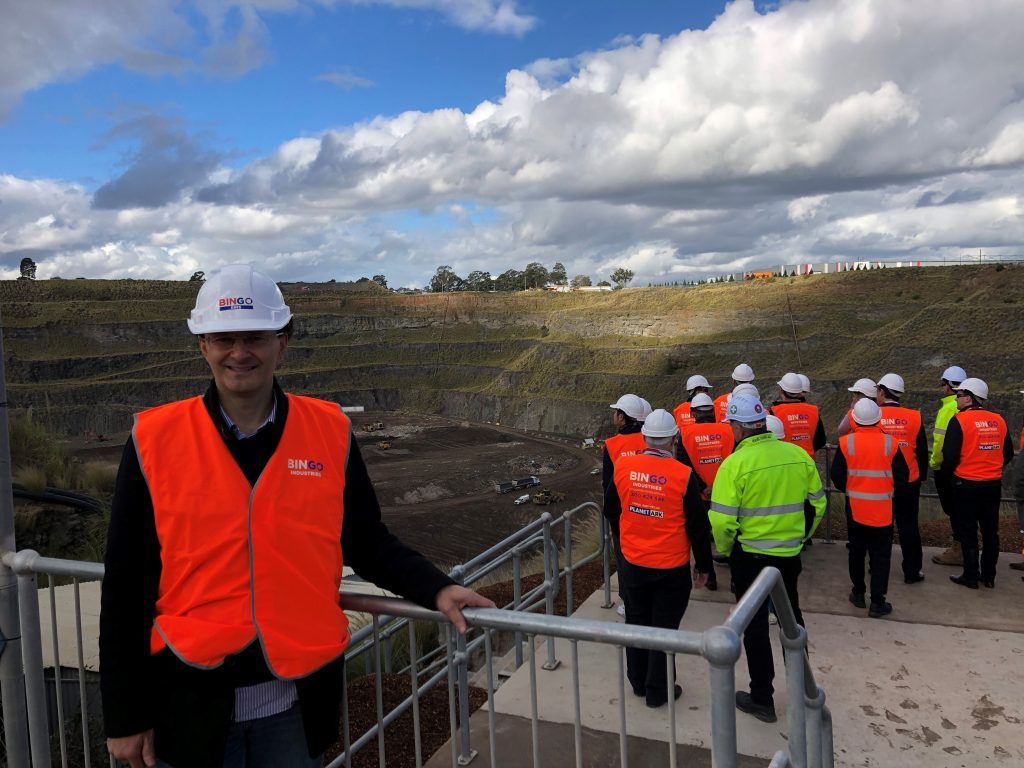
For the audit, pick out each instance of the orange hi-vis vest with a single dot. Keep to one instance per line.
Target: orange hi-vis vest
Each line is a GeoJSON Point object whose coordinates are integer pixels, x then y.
{"type": "Point", "coordinates": [241, 562]}
{"type": "Point", "coordinates": [903, 424]}
{"type": "Point", "coordinates": [721, 404]}
{"type": "Point", "coordinates": [869, 485]}
{"type": "Point", "coordinates": [683, 416]}
{"type": "Point", "coordinates": [652, 528]}
{"type": "Point", "coordinates": [800, 422]}
{"type": "Point", "coordinates": [981, 456]}
{"type": "Point", "coordinates": [624, 445]}
{"type": "Point", "coordinates": [707, 445]}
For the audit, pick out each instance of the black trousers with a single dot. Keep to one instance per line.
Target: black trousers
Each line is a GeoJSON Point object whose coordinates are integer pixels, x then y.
{"type": "Point", "coordinates": [756, 642]}
{"type": "Point", "coordinates": [906, 503]}
{"type": "Point", "coordinates": [944, 489]}
{"type": "Point", "coordinates": [654, 597]}
{"type": "Point", "coordinates": [876, 543]}
{"type": "Point", "coordinates": [977, 505]}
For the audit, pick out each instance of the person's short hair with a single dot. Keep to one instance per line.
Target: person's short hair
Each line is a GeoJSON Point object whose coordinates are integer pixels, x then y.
{"type": "Point", "coordinates": [658, 442]}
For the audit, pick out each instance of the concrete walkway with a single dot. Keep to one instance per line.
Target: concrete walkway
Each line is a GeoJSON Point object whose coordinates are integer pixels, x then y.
{"type": "Point", "coordinates": [937, 684]}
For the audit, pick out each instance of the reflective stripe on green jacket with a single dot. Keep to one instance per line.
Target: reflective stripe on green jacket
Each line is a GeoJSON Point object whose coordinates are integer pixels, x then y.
{"type": "Point", "coordinates": [758, 497]}
{"type": "Point", "coordinates": [946, 412]}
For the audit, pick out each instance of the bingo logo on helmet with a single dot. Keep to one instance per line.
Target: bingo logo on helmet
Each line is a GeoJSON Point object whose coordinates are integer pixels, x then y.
{"type": "Point", "coordinates": [229, 303]}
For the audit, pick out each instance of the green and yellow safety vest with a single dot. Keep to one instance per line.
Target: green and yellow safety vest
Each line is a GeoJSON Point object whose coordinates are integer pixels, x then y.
{"type": "Point", "coordinates": [946, 412]}
{"type": "Point", "coordinates": [758, 497]}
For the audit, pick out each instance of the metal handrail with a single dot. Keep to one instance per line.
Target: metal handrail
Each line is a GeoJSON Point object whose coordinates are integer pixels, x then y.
{"type": "Point", "coordinates": [809, 721]}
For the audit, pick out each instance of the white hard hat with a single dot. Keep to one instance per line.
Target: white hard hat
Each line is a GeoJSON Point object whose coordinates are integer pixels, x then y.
{"type": "Point", "coordinates": [238, 298]}
{"type": "Point", "coordinates": [701, 400]}
{"type": "Point", "coordinates": [866, 412]}
{"type": "Point", "coordinates": [645, 409]}
{"type": "Point", "coordinates": [744, 409]}
{"type": "Point", "coordinates": [742, 372]}
{"type": "Point", "coordinates": [631, 405]}
{"type": "Point", "coordinates": [893, 382]}
{"type": "Point", "coordinates": [746, 388]}
{"type": "Point", "coordinates": [660, 423]}
{"type": "Point", "coordinates": [865, 387]}
{"type": "Point", "coordinates": [791, 383]}
{"type": "Point", "coordinates": [774, 424]}
{"type": "Point", "coordinates": [954, 374]}
{"type": "Point", "coordinates": [976, 387]}
{"type": "Point", "coordinates": [696, 381]}
{"type": "Point", "coordinates": [806, 382]}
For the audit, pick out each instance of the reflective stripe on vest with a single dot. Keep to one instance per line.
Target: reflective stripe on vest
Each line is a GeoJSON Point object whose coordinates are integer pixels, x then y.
{"type": "Point", "coordinates": [904, 424]}
{"type": "Point", "coordinates": [652, 526]}
{"type": "Point", "coordinates": [624, 445]}
{"type": "Point", "coordinates": [800, 423]}
{"type": "Point", "coordinates": [707, 445]}
{"type": "Point", "coordinates": [240, 562]}
{"type": "Point", "coordinates": [869, 487]}
{"type": "Point", "coordinates": [775, 509]}
{"type": "Point", "coordinates": [770, 544]}
{"type": "Point", "coordinates": [981, 456]}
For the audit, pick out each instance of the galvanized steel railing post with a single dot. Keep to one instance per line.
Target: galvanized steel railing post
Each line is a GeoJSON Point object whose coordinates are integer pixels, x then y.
{"type": "Point", "coordinates": [551, 578]}
{"type": "Point", "coordinates": [828, 495]}
{"type": "Point", "coordinates": [606, 561]}
{"type": "Point", "coordinates": [467, 753]}
{"type": "Point", "coordinates": [517, 599]}
{"type": "Point", "coordinates": [721, 647]}
{"type": "Point", "coordinates": [32, 650]}
{"type": "Point", "coordinates": [828, 753]}
{"type": "Point", "coordinates": [814, 729]}
{"type": "Point", "coordinates": [793, 648]}
{"type": "Point", "coordinates": [12, 674]}
{"type": "Point", "coordinates": [568, 565]}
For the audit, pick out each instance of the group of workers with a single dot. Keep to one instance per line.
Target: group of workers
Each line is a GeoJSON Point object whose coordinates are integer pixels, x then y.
{"type": "Point", "coordinates": [744, 473]}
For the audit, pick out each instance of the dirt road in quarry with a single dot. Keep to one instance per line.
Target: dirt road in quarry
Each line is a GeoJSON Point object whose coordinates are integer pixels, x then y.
{"type": "Point", "coordinates": [436, 481]}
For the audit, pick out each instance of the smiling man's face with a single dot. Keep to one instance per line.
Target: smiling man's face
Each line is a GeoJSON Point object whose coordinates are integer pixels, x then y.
{"type": "Point", "coordinates": [243, 363]}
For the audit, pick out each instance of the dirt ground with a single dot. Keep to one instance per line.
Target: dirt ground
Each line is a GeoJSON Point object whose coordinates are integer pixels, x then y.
{"type": "Point", "coordinates": [436, 482]}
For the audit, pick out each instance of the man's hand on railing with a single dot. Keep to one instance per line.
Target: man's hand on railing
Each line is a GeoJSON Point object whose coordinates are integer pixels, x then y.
{"type": "Point", "coordinates": [452, 599]}
{"type": "Point", "coordinates": [135, 750]}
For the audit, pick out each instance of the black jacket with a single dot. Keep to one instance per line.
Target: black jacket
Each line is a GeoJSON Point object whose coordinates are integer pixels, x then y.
{"type": "Point", "coordinates": [190, 709]}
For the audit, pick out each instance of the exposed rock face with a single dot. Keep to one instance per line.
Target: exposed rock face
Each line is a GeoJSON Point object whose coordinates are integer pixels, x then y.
{"type": "Point", "coordinates": [86, 355]}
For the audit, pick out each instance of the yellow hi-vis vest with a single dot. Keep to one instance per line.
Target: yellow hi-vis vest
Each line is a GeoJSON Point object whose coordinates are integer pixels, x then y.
{"type": "Point", "coordinates": [946, 412]}
{"type": "Point", "coordinates": [758, 497]}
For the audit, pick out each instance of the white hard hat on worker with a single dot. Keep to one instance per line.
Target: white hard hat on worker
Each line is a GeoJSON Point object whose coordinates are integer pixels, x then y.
{"type": "Point", "coordinates": [660, 423]}
{"type": "Point", "coordinates": [633, 406]}
{"type": "Point", "coordinates": [243, 326]}
{"type": "Point", "coordinates": [238, 298]}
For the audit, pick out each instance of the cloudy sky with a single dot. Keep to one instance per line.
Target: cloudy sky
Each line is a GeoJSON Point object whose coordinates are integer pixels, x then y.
{"type": "Point", "coordinates": [344, 138]}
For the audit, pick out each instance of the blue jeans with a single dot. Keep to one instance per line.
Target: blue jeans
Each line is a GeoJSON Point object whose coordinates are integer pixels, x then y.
{"type": "Point", "coordinates": [277, 741]}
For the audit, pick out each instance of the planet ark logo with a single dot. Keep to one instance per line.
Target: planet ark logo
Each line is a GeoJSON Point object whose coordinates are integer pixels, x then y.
{"type": "Point", "coordinates": [305, 467]}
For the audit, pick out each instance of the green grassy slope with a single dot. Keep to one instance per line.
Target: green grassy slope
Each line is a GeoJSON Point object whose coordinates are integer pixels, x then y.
{"type": "Point", "coordinates": [91, 352]}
